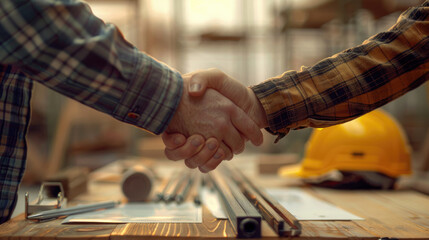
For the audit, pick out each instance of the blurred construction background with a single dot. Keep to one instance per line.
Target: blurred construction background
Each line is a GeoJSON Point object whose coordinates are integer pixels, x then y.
{"type": "Point", "coordinates": [251, 40]}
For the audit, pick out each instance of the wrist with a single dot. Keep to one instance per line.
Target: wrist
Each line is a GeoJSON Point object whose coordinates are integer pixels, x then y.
{"type": "Point", "coordinates": [259, 115]}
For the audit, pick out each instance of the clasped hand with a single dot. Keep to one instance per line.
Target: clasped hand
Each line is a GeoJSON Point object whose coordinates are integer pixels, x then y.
{"type": "Point", "coordinates": [215, 117]}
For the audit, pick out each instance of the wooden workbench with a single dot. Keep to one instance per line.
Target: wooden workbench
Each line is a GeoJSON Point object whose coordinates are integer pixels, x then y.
{"type": "Point", "coordinates": [394, 214]}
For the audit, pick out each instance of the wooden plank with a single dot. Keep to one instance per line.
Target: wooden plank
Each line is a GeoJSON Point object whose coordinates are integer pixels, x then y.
{"type": "Point", "coordinates": [384, 217]}
{"type": "Point", "coordinates": [412, 206]}
{"type": "Point", "coordinates": [333, 230]}
{"type": "Point", "coordinates": [211, 228]}
{"type": "Point", "coordinates": [19, 228]}
{"type": "Point", "coordinates": [395, 214]}
{"type": "Point", "coordinates": [12, 226]}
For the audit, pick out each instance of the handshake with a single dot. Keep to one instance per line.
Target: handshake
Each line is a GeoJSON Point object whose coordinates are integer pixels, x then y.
{"type": "Point", "coordinates": [215, 117]}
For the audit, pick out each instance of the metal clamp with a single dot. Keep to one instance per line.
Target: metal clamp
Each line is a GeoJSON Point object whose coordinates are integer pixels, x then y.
{"type": "Point", "coordinates": [51, 196]}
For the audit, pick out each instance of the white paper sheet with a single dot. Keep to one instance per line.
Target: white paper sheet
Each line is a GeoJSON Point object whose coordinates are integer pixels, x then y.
{"type": "Point", "coordinates": [306, 207]}
{"type": "Point", "coordinates": [142, 213]}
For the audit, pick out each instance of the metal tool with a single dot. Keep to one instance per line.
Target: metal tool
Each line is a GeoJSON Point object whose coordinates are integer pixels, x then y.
{"type": "Point", "coordinates": [55, 213]}
{"type": "Point", "coordinates": [51, 196]}
{"type": "Point", "coordinates": [281, 220]}
{"type": "Point", "coordinates": [243, 216]}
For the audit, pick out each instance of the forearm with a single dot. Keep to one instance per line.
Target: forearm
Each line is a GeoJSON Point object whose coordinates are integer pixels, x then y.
{"type": "Point", "coordinates": [353, 82]}
{"type": "Point", "coordinates": [65, 47]}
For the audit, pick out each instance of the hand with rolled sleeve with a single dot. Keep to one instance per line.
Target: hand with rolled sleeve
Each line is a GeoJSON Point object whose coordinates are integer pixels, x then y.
{"type": "Point", "coordinates": [62, 45]}
{"type": "Point", "coordinates": [337, 89]}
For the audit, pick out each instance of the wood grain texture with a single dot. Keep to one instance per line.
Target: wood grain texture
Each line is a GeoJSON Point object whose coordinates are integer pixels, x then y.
{"type": "Point", "coordinates": [395, 214]}
{"type": "Point", "coordinates": [333, 230]}
{"type": "Point", "coordinates": [211, 228]}
{"type": "Point", "coordinates": [22, 229]}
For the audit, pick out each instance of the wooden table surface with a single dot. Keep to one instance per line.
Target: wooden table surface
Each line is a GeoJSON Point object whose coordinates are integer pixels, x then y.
{"type": "Point", "coordinates": [394, 214]}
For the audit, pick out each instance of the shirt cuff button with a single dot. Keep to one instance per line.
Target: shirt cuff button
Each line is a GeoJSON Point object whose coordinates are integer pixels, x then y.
{"type": "Point", "coordinates": [133, 115]}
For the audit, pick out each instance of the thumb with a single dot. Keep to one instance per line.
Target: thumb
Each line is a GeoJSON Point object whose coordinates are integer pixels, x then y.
{"type": "Point", "coordinates": [200, 81]}
{"type": "Point", "coordinates": [216, 79]}
{"type": "Point", "coordinates": [197, 86]}
{"type": "Point", "coordinates": [173, 140]}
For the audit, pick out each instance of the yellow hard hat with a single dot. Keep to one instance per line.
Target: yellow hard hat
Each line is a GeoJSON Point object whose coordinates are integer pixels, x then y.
{"type": "Point", "coordinates": [374, 142]}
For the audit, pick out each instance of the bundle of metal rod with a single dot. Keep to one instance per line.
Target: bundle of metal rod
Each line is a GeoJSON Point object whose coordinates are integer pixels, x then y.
{"type": "Point", "coordinates": [185, 187]}
{"type": "Point", "coordinates": [281, 220]}
{"type": "Point", "coordinates": [164, 191]}
{"type": "Point", "coordinates": [243, 216]}
{"type": "Point", "coordinates": [199, 181]}
{"type": "Point", "coordinates": [177, 187]}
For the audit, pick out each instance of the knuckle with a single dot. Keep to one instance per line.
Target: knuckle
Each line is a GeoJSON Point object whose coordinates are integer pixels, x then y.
{"type": "Point", "coordinates": [237, 144]}
{"type": "Point", "coordinates": [222, 125]}
{"type": "Point", "coordinates": [170, 155]}
{"type": "Point", "coordinates": [207, 168]}
{"type": "Point", "coordinates": [211, 145]}
{"type": "Point", "coordinates": [190, 164]}
{"type": "Point", "coordinates": [240, 149]}
{"type": "Point", "coordinates": [196, 161]}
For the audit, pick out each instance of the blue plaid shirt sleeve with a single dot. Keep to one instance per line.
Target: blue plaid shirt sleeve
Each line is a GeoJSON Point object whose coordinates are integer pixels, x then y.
{"type": "Point", "coordinates": [65, 47]}
{"type": "Point", "coordinates": [62, 45]}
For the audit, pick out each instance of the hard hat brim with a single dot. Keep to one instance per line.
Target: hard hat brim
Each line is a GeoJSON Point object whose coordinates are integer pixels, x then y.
{"type": "Point", "coordinates": [294, 170]}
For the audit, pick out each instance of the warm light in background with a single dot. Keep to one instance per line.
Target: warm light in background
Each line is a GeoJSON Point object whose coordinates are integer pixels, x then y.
{"type": "Point", "coordinates": [251, 40]}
